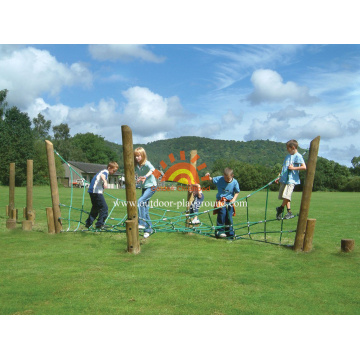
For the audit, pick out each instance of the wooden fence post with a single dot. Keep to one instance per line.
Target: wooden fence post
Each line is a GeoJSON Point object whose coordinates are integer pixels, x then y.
{"type": "Point", "coordinates": [347, 245]}
{"type": "Point", "coordinates": [306, 194]}
{"type": "Point", "coordinates": [53, 186]}
{"type": "Point", "coordinates": [309, 234]}
{"type": "Point", "coordinates": [12, 191]}
{"type": "Point", "coordinates": [30, 215]}
{"type": "Point", "coordinates": [132, 226]}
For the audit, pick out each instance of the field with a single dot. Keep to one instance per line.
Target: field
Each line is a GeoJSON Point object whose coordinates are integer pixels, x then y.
{"type": "Point", "coordinates": [176, 273]}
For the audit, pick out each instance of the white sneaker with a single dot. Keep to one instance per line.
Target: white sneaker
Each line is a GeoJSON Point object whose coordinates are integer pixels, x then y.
{"type": "Point", "coordinates": [141, 227]}
{"type": "Point", "coordinates": [222, 235]}
{"type": "Point", "coordinates": [146, 235]}
{"type": "Point", "coordinates": [197, 221]}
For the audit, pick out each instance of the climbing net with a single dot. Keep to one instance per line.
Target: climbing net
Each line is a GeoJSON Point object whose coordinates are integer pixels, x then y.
{"type": "Point", "coordinates": [268, 229]}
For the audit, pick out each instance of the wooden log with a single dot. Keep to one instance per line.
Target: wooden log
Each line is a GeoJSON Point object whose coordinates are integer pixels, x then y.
{"type": "Point", "coordinates": [132, 231]}
{"type": "Point", "coordinates": [11, 189]}
{"type": "Point", "coordinates": [30, 215]}
{"type": "Point", "coordinates": [27, 225]}
{"type": "Point", "coordinates": [10, 223]}
{"type": "Point", "coordinates": [190, 196]}
{"type": "Point", "coordinates": [306, 194]}
{"type": "Point", "coordinates": [53, 186]}
{"type": "Point", "coordinates": [309, 234]}
{"type": "Point", "coordinates": [50, 220]}
{"type": "Point", "coordinates": [7, 210]}
{"type": "Point", "coordinates": [15, 214]}
{"type": "Point", "coordinates": [347, 245]}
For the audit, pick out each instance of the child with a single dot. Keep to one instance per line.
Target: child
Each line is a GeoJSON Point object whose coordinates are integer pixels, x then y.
{"type": "Point", "coordinates": [198, 199]}
{"type": "Point", "coordinates": [228, 191]}
{"type": "Point", "coordinates": [96, 188]}
{"type": "Point", "coordinates": [289, 178]}
{"type": "Point", "coordinates": [144, 170]}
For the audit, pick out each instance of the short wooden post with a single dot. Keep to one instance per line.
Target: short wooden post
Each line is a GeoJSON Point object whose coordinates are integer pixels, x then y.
{"type": "Point", "coordinates": [306, 194]}
{"type": "Point", "coordinates": [53, 186]}
{"type": "Point", "coordinates": [309, 234]}
{"type": "Point", "coordinates": [10, 223]}
{"type": "Point", "coordinates": [27, 225]}
{"type": "Point", "coordinates": [7, 210]}
{"type": "Point", "coordinates": [190, 196]}
{"type": "Point", "coordinates": [11, 190]}
{"type": "Point", "coordinates": [132, 226]}
{"type": "Point", "coordinates": [50, 220]}
{"type": "Point", "coordinates": [347, 245]}
{"type": "Point", "coordinates": [30, 215]}
{"type": "Point", "coordinates": [14, 214]}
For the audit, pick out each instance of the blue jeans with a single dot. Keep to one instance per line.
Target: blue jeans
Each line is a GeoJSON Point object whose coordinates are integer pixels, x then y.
{"type": "Point", "coordinates": [99, 207]}
{"type": "Point", "coordinates": [225, 220]}
{"type": "Point", "coordinates": [143, 207]}
{"type": "Point", "coordinates": [194, 207]}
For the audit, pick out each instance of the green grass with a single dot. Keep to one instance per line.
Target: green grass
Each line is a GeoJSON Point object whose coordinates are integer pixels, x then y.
{"type": "Point", "coordinates": [176, 273]}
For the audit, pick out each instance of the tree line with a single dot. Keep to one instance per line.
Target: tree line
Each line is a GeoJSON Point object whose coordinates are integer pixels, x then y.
{"type": "Point", "coordinates": [255, 163]}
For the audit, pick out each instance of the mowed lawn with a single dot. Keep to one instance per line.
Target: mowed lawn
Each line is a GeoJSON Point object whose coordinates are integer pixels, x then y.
{"type": "Point", "coordinates": [176, 273]}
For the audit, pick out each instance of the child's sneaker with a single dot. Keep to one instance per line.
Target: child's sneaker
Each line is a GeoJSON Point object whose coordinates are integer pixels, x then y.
{"type": "Point", "coordinates": [197, 221]}
{"type": "Point", "coordinates": [141, 227]}
{"type": "Point", "coordinates": [289, 215]}
{"type": "Point", "coordinates": [279, 211]}
{"type": "Point", "coordinates": [146, 235]}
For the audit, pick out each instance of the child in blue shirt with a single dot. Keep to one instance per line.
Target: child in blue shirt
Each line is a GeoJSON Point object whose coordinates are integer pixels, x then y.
{"type": "Point", "coordinates": [228, 191]}
{"type": "Point", "coordinates": [96, 189]}
{"type": "Point", "coordinates": [147, 180]}
{"type": "Point", "coordinates": [289, 177]}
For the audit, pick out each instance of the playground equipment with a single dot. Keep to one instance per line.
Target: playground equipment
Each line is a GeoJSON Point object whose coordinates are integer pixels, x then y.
{"type": "Point", "coordinates": [28, 211]}
{"type": "Point", "coordinates": [167, 220]}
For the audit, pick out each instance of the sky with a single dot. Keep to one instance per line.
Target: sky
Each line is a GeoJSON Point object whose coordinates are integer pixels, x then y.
{"type": "Point", "coordinates": [230, 92]}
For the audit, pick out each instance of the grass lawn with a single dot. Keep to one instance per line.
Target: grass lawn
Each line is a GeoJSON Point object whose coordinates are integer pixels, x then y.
{"type": "Point", "coordinates": [176, 273]}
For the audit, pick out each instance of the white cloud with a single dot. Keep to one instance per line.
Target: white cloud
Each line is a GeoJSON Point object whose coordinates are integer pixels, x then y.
{"type": "Point", "coordinates": [231, 119]}
{"type": "Point", "coordinates": [29, 72]}
{"type": "Point", "coordinates": [127, 52]}
{"type": "Point", "coordinates": [149, 113]}
{"type": "Point", "coordinates": [269, 87]}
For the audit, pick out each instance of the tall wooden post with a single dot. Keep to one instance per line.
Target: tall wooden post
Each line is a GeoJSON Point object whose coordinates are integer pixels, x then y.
{"type": "Point", "coordinates": [30, 215]}
{"type": "Point", "coordinates": [132, 226]}
{"type": "Point", "coordinates": [306, 195]}
{"type": "Point", "coordinates": [12, 191]}
{"type": "Point", "coordinates": [190, 196]}
{"type": "Point", "coordinates": [53, 186]}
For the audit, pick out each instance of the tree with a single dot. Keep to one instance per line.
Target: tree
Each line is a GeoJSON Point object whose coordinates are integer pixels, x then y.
{"type": "Point", "coordinates": [62, 140]}
{"type": "Point", "coordinates": [3, 103]}
{"type": "Point", "coordinates": [356, 165]}
{"type": "Point", "coordinates": [41, 127]}
{"type": "Point", "coordinates": [16, 139]}
{"type": "Point", "coordinates": [94, 148]}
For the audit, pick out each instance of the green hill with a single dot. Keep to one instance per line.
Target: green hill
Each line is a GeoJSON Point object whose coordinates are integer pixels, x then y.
{"type": "Point", "coordinates": [257, 152]}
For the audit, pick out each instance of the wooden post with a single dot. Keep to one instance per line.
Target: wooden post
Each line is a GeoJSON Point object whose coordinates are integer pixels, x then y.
{"type": "Point", "coordinates": [132, 226]}
{"type": "Point", "coordinates": [190, 196]}
{"type": "Point", "coordinates": [50, 220]}
{"type": "Point", "coordinates": [347, 245]}
{"type": "Point", "coordinates": [306, 194]}
{"type": "Point", "coordinates": [11, 223]}
{"type": "Point", "coordinates": [12, 191]}
{"type": "Point", "coordinates": [27, 225]}
{"type": "Point", "coordinates": [309, 234]}
{"type": "Point", "coordinates": [53, 186]}
{"type": "Point", "coordinates": [29, 192]}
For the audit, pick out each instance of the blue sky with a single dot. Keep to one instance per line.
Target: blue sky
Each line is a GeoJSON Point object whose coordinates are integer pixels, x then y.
{"type": "Point", "coordinates": [237, 92]}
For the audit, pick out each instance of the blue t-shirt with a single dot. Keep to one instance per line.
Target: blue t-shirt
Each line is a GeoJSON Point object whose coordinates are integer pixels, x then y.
{"type": "Point", "coordinates": [291, 176]}
{"type": "Point", "coordinates": [225, 189]}
{"type": "Point", "coordinates": [96, 185]}
{"type": "Point", "coordinates": [142, 171]}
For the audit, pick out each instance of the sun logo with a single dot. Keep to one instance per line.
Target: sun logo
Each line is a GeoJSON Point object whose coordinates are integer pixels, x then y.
{"type": "Point", "coordinates": [184, 173]}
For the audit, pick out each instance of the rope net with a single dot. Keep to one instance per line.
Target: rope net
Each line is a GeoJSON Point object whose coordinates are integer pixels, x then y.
{"type": "Point", "coordinates": [76, 207]}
